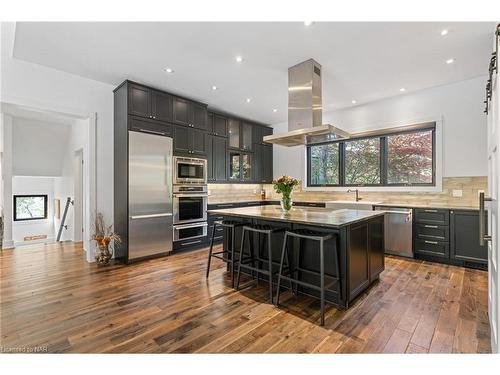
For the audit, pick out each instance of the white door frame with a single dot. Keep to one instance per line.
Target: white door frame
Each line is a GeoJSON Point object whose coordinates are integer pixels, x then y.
{"type": "Point", "coordinates": [493, 229]}
{"type": "Point", "coordinates": [89, 156]}
{"type": "Point", "coordinates": [78, 192]}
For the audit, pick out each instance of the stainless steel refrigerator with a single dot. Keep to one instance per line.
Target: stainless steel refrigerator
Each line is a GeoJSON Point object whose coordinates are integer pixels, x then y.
{"type": "Point", "coordinates": [149, 195]}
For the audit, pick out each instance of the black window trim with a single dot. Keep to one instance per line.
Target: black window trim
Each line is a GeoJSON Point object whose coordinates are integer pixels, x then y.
{"type": "Point", "coordinates": [383, 159]}
{"type": "Point", "coordinates": [45, 203]}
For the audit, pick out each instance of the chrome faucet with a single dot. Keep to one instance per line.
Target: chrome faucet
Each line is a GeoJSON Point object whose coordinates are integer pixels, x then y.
{"type": "Point", "coordinates": [357, 194]}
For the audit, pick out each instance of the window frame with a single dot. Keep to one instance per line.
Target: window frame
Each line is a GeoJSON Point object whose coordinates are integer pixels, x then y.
{"type": "Point", "coordinates": [383, 160]}
{"type": "Point", "coordinates": [45, 203]}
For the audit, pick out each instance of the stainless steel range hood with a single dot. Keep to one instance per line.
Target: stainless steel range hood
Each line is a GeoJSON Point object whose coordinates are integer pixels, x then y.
{"type": "Point", "coordinates": [305, 109]}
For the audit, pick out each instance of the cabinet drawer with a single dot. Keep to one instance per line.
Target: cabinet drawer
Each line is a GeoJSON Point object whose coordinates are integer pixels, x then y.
{"type": "Point", "coordinates": [190, 243]}
{"type": "Point", "coordinates": [432, 216]}
{"type": "Point", "coordinates": [432, 232]}
{"type": "Point", "coordinates": [435, 248]}
{"type": "Point", "coordinates": [150, 127]}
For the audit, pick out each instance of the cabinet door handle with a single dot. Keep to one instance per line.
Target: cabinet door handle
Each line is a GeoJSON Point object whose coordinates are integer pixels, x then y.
{"type": "Point", "coordinates": [430, 211]}
{"type": "Point", "coordinates": [431, 226]}
{"type": "Point", "coordinates": [151, 131]}
{"type": "Point", "coordinates": [483, 236]}
{"type": "Point", "coordinates": [431, 242]}
{"type": "Point", "coordinates": [190, 243]}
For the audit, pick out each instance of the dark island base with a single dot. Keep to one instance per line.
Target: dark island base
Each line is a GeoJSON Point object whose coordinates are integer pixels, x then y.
{"type": "Point", "coordinates": [360, 247]}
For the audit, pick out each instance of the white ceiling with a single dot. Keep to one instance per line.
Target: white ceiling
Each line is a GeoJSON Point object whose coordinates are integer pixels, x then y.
{"type": "Point", "coordinates": [361, 61]}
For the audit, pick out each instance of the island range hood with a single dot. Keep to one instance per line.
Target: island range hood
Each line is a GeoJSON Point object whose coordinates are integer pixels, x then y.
{"type": "Point", "coordinates": [305, 109]}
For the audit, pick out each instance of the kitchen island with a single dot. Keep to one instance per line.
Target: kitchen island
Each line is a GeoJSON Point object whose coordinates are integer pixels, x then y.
{"type": "Point", "coordinates": [358, 237]}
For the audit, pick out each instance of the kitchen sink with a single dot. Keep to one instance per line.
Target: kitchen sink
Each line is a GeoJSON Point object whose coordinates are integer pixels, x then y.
{"type": "Point", "coordinates": [360, 205]}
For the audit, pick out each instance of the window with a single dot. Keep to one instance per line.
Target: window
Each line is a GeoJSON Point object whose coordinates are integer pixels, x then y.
{"type": "Point", "coordinates": [362, 162]}
{"type": "Point", "coordinates": [409, 158]}
{"type": "Point", "coordinates": [30, 207]}
{"type": "Point", "coordinates": [324, 164]}
{"type": "Point", "coordinates": [404, 158]}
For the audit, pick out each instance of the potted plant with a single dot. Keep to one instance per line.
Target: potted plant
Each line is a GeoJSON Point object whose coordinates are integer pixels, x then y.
{"type": "Point", "coordinates": [284, 186]}
{"type": "Point", "coordinates": [103, 236]}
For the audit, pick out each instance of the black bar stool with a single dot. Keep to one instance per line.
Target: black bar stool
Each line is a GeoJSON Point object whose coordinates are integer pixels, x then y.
{"type": "Point", "coordinates": [303, 235]}
{"type": "Point", "coordinates": [231, 226]}
{"type": "Point", "coordinates": [244, 262]}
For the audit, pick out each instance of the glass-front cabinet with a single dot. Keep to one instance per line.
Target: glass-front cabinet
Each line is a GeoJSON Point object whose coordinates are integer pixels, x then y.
{"type": "Point", "coordinates": [234, 166]}
{"type": "Point", "coordinates": [234, 133]}
{"type": "Point", "coordinates": [246, 136]}
{"type": "Point", "coordinates": [240, 167]}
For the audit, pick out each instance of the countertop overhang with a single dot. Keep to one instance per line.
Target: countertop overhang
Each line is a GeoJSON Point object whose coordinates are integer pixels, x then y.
{"type": "Point", "coordinates": [302, 215]}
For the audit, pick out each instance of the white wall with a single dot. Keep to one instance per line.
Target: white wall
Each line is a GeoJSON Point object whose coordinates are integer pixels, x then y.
{"type": "Point", "coordinates": [6, 205]}
{"type": "Point", "coordinates": [34, 185]}
{"type": "Point", "coordinates": [459, 106]}
{"type": "Point", "coordinates": [33, 85]}
{"type": "Point", "coordinates": [38, 147]}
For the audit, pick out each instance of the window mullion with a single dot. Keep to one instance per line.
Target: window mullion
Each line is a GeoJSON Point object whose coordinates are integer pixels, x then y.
{"type": "Point", "coordinates": [342, 164]}
{"type": "Point", "coordinates": [383, 161]}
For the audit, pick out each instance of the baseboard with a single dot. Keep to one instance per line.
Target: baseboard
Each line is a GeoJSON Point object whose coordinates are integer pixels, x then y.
{"type": "Point", "coordinates": [7, 245]}
{"type": "Point", "coordinates": [48, 240]}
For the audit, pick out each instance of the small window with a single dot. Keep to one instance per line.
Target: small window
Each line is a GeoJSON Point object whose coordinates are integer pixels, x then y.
{"type": "Point", "coordinates": [324, 164]}
{"type": "Point", "coordinates": [362, 162]}
{"type": "Point", "coordinates": [30, 207]}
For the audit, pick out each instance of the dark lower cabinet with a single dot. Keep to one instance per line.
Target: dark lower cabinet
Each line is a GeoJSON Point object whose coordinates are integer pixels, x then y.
{"type": "Point", "coordinates": [464, 239]}
{"type": "Point", "coordinates": [359, 265]}
{"type": "Point", "coordinates": [376, 247]}
{"type": "Point", "coordinates": [433, 248]}
{"type": "Point", "coordinates": [449, 236]}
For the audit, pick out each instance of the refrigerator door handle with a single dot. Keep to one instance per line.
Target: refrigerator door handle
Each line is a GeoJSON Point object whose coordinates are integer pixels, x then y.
{"type": "Point", "coordinates": [149, 216]}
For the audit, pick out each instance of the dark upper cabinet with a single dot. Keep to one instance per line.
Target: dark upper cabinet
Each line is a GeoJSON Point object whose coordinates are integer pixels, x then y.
{"type": "Point", "coordinates": [219, 125]}
{"type": "Point", "coordinates": [161, 106]}
{"type": "Point", "coordinates": [198, 114]}
{"type": "Point", "coordinates": [198, 142]}
{"type": "Point", "coordinates": [149, 126]}
{"type": "Point", "coordinates": [181, 111]}
{"type": "Point", "coordinates": [263, 163]}
{"type": "Point", "coordinates": [234, 133]}
{"type": "Point", "coordinates": [216, 158]}
{"type": "Point", "coordinates": [189, 141]}
{"type": "Point", "coordinates": [139, 101]}
{"type": "Point", "coordinates": [188, 113]}
{"type": "Point", "coordinates": [182, 139]}
{"type": "Point", "coordinates": [241, 166]}
{"type": "Point", "coordinates": [145, 102]}
{"type": "Point", "coordinates": [464, 237]}
{"type": "Point", "coordinates": [220, 158]}
{"type": "Point", "coordinates": [246, 136]}
{"type": "Point", "coordinates": [259, 132]}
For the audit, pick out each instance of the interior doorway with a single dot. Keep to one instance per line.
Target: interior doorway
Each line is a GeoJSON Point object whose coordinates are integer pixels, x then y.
{"type": "Point", "coordinates": [42, 171]}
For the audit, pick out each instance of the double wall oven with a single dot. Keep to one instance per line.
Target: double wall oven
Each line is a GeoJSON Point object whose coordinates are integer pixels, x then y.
{"type": "Point", "coordinates": [190, 198]}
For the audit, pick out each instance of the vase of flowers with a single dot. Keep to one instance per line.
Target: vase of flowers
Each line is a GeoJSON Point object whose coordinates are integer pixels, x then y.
{"type": "Point", "coordinates": [284, 186]}
{"type": "Point", "coordinates": [104, 236]}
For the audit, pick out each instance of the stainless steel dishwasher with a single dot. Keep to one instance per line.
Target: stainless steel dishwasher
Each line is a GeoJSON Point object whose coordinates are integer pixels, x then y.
{"type": "Point", "coordinates": [398, 230]}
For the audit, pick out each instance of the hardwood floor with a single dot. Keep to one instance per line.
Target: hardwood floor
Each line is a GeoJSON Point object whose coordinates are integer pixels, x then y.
{"type": "Point", "coordinates": [53, 299]}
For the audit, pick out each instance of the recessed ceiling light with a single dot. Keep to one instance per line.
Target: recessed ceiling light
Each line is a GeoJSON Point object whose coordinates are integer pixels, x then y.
{"type": "Point", "coordinates": [450, 61]}
{"type": "Point", "coordinates": [239, 59]}
{"type": "Point", "coordinates": [275, 110]}
{"type": "Point", "coordinates": [308, 23]}
{"type": "Point", "coordinates": [248, 100]}
{"type": "Point", "coordinates": [168, 70]}
{"type": "Point", "coordinates": [402, 89]}
{"type": "Point", "coordinates": [444, 32]}
{"type": "Point", "coordinates": [353, 101]}
{"type": "Point", "coordinates": [214, 87]}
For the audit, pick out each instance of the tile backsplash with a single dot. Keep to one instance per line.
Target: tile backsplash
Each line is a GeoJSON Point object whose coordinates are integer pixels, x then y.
{"type": "Point", "coordinates": [469, 187]}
